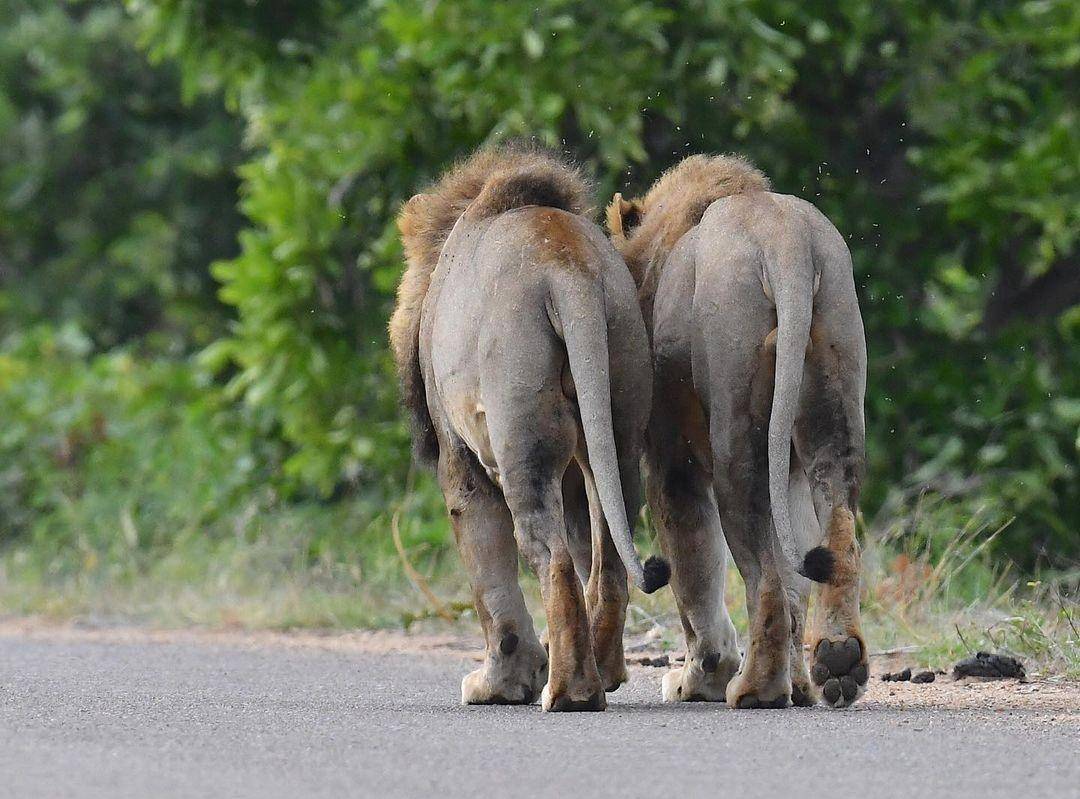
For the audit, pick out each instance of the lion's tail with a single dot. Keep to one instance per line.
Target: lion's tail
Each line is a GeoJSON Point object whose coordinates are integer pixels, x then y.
{"type": "Point", "coordinates": [579, 303]}
{"type": "Point", "coordinates": [794, 296]}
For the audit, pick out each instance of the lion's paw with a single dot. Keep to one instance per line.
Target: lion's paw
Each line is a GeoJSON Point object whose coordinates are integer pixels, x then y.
{"type": "Point", "coordinates": [614, 675]}
{"type": "Point", "coordinates": [841, 670]}
{"type": "Point", "coordinates": [802, 691]}
{"type": "Point", "coordinates": [573, 701]}
{"type": "Point", "coordinates": [743, 694]}
{"type": "Point", "coordinates": [700, 680]}
{"type": "Point", "coordinates": [500, 683]}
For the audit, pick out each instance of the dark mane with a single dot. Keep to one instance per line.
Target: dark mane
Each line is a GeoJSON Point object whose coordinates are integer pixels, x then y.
{"type": "Point", "coordinates": [675, 203]}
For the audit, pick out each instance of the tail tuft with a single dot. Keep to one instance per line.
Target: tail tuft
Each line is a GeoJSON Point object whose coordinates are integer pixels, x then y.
{"type": "Point", "coordinates": [819, 565]}
{"type": "Point", "coordinates": [657, 574]}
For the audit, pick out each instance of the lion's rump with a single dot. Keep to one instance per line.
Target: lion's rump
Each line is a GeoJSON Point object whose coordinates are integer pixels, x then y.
{"type": "Point", "coordinates": [488, 183]}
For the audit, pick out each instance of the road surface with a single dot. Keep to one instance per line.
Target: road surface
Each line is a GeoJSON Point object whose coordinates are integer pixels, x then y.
{"type": "Point", "coordinates": [100, 714]}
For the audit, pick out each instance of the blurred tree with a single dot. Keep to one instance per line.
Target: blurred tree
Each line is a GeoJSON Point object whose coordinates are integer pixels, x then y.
{"type": "Point", "coordinates": [114, 194]}
{"type": "Point", "coordinates": [398, 92]}
{"type": "Point", "coordinates": [941, 138]}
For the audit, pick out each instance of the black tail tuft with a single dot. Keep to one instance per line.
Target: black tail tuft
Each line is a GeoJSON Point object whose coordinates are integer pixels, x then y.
{"type": "Point", "coordinates": [818, 565]}
{"type": "Point", "coordinates": [657, 574]}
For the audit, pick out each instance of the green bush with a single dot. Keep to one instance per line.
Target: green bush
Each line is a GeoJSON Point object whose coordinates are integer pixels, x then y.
{"type": "Point", "coordinates": [134, 486]}
{"type": "Point", "coordinates": [344, 138]}
{"type": "Point", "coordinates": [114, 194]}
{"type": "Point", "coordinates": [941, 139]}
{"type": "Point", "coordinates": [109, 454]}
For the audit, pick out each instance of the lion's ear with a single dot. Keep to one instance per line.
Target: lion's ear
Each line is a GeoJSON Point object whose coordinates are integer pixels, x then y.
{"type": "Point", "coordinates": [623, 216]}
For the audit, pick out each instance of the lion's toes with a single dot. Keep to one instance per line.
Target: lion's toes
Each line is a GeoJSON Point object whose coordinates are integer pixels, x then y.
{"type": "Point", "coordinates": [701, 679]}
{"type": "Point", "coordinates": [572, 701]}
{"type": "Point", "coordinates": [754, 702]}
{"type": "Point", "coordinates": [743, 694]}
{"type": "Point", "coordinates": [505, 684]}
{"type": "Point", "coordinates": [802, 692]}
{"type": "Point", "coordinates": [841, 669]}
{"type": "Point", "coordinates": [476, 689]}
{"type": "Point", "coordinates": [613, 678]}
{"type": "Point", "coordinates": [679, 686]}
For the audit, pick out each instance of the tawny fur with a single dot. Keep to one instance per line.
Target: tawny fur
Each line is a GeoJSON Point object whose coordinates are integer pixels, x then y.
{"type": "Point", "coordinates": [674, 204]}
{"type": "Point", "coordinates": [491, 181]}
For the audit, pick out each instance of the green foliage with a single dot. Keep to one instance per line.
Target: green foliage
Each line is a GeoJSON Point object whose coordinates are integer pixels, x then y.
{"type": "Point", "coordinates": [127, 483]}
{"type": "Point", "coordinates": [114, 195]}
{"type": "Point", "coordinates": [348, 136]}
{"type": "Point", "coordinates": [105, 452]}
{"type": "Point", "coordinates": [941, 138]}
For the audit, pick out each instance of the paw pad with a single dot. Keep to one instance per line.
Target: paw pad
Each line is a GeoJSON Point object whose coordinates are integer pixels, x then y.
{"type": "Point", "coordinates": [839, 670]}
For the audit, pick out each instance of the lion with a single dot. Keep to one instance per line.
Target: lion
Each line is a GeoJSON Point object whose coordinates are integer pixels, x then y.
{"type": "Point", "coordinates": [501, 335]}
{"type": "Point", "coordinates": [759, 360]}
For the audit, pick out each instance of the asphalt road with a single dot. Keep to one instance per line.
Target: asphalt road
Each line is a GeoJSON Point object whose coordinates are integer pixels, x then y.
{"type": "Point", "coordinates": [159, 718]}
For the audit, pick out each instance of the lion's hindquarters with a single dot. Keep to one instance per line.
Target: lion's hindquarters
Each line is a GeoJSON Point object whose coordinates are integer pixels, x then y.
{"type": "Point", "coordinates": [533, 431]}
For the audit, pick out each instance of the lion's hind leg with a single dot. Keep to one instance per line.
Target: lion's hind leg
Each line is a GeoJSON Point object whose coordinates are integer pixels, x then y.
{"type": "Point", "coordinates": [764, 678]}
{"type": "Point", "coordinates": [689, 529]}
{"type": "Point", "coordinates": [829, 440]}
{"type": "Point", "coordinates": [536, 505]}
{"type": "Point", "coordinates": [515, 664]}
{"type": "Point", "coordinates": [602, 574]}
{"type": "Point", "coordinates": [741, 377]}
{"type": "Point", "coordinates": [606, 590]}
{"type": "Point", "coordinates": [680, 493]}
{"type": "Point", "coordinates": [533, 453]}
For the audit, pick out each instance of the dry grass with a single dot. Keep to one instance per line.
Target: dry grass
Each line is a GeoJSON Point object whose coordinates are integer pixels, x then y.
{"type": "Point", "coordinates": [934, 602]}
{"type": "Point", "coordinates": [936, 597]}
